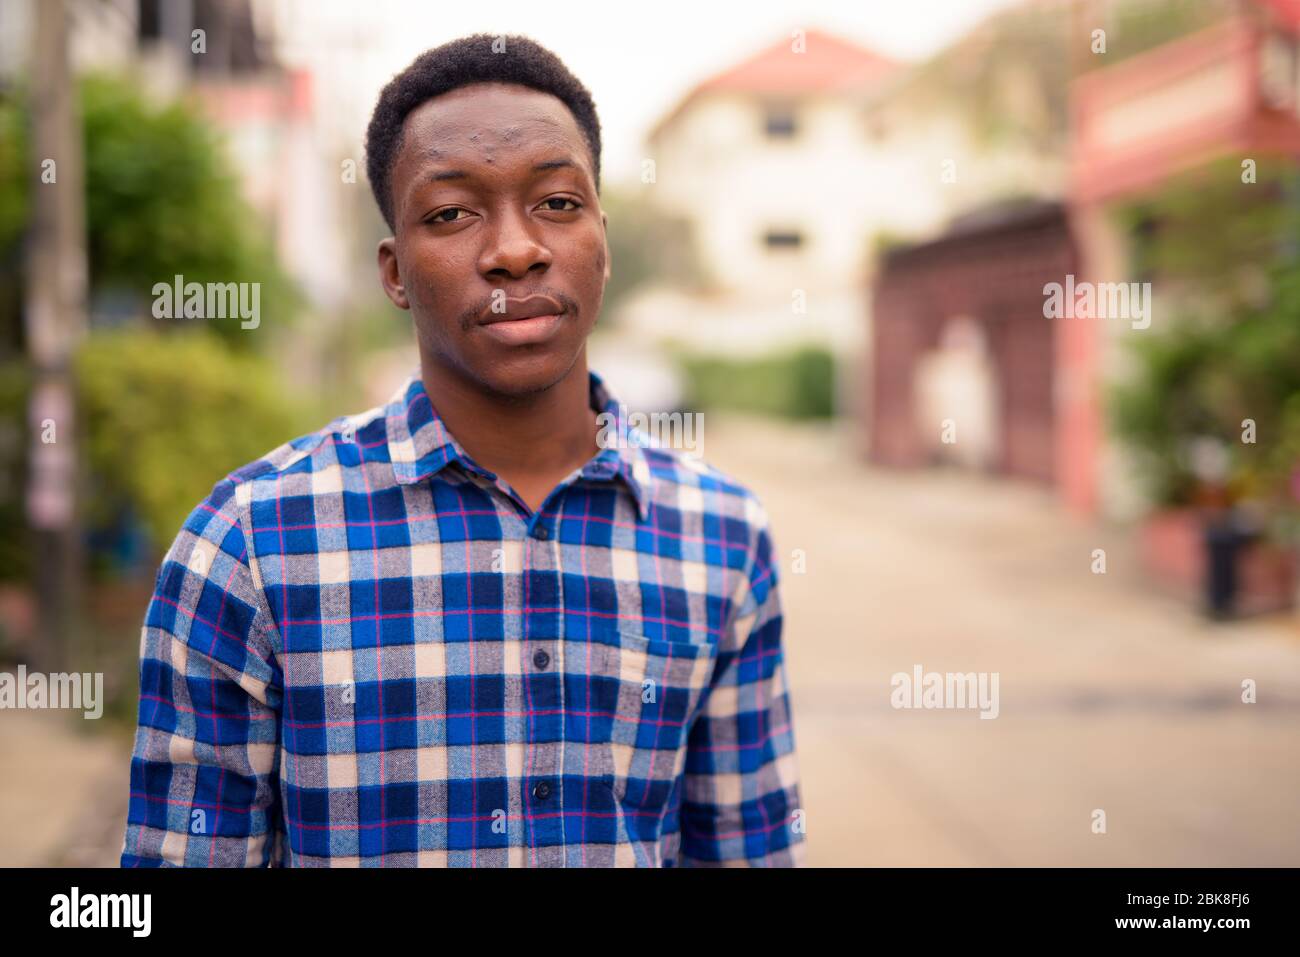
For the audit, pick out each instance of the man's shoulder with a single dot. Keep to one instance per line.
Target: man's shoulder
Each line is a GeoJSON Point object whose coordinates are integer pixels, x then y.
{"type": "Point", "coordinates": [305, 464]}
{"type": "Point", "coordinates": [729, 516]}
{"type": "Point", "coordinates": [691, 484]}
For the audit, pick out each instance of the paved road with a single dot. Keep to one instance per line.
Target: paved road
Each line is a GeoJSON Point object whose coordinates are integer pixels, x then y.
{"type": "Point", "coordinates": [1110, 697]}
{"type": "Point", "coordinates": [63, 790]}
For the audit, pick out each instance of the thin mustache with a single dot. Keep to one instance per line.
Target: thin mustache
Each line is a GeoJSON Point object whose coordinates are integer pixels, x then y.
{"type": "Point", "coordinates": [471, 317]}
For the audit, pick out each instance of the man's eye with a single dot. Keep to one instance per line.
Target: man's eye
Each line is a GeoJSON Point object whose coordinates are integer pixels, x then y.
{"type": "Point", "coordinates": [561, 199]}
{"type": "Point", "coordinates": [438, 216]}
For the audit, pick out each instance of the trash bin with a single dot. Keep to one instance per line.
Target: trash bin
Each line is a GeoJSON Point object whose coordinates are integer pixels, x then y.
{"type": "Point", "coordinates": [1225, 536]}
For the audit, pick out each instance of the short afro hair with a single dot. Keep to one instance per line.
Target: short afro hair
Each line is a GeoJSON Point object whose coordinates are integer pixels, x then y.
{"type": "Point", "coordinates": [458, 63]}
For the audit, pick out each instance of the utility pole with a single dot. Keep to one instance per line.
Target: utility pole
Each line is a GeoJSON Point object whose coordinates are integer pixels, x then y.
{"type": "Point", "coordinates": [55, 321]}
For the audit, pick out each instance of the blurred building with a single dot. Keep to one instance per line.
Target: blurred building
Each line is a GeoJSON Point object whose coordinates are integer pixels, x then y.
{"type": "Point", "coordinates": [958, 363]}
{"type": "Point", "coordinates": [223, 52]}
{"type": "Point", "coordinates": [1230, 90]}
{"type": "Point", "coordinates": [1039, 191]}
{"type": "Point", "coordinates": [964, 360]}
{"type": "Point", "coordinates": [796, 170]}
{"type": "Point", "coordinates": [153, 37]}
{"type": "Point", "coordinates": [982, 122]}
{"type": "Point", "coordinates": [773, 169]}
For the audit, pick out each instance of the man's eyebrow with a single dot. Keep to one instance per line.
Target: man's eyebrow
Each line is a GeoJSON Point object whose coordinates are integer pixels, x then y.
{"type": "Point", "coordinates": [543, 167]}
{"type": "Point", "coordinates": [554, 164]}
{"type": "Point", "coordinates": [447, 174]}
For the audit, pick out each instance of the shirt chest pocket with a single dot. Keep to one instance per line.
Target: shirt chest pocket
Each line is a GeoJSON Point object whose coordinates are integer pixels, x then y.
{"type": "Point", "coordinates": [647, 693]}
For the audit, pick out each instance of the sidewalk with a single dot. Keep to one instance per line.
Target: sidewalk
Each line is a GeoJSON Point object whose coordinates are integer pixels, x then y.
{"type": "Point", "coordinates": [63, 794]}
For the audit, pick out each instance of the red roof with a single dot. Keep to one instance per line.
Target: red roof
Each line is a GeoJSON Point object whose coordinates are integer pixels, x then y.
{"type": "Point", "coordinates": [828, 64]}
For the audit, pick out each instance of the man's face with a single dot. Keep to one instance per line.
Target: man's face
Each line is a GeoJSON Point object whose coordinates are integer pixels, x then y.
{"type": "Point", "coordinates": [494, 202]}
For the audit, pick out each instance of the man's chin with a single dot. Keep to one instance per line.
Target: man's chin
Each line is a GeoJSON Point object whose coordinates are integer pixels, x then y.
{"type": "Point", "coordinates": [521, 376]}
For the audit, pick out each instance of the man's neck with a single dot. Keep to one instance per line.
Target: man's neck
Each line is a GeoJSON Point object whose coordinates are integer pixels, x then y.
{"type": "Point", "coordinates": [532, 442]}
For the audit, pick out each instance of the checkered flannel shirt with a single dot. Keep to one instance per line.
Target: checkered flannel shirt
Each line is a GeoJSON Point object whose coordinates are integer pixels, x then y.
{"type": "Point", "coordinates": [365, 649]}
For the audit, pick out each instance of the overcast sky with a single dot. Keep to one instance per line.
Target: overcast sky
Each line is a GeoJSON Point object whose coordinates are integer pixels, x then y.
{"type": "Point", "coordinates": [638, 60]}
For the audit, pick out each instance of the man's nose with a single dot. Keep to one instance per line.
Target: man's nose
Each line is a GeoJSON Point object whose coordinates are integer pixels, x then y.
{"type": "Point", "coordinates": [514, 247]}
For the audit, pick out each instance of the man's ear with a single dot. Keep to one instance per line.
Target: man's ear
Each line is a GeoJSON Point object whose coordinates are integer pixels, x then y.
{"type": "Point", "coordinates": [390, 277]}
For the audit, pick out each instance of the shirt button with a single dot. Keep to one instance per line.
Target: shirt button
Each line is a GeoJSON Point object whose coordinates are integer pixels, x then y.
{"type": "Point", "coordinates": [540, 533]}
{"type": "Point", "coordinates": [541, 659]}
{"type": "Point", "coordinates": [541, 791]}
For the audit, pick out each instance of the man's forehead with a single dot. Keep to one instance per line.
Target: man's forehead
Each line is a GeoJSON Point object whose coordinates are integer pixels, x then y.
{"type": "Point", "coordinates": [489, 114]}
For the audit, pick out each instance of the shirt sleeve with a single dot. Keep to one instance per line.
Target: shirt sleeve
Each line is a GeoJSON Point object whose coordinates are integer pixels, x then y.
{"type": "Point", "coordinates": [205, 764]}
{"type": "Point", "coordinates": [741, 805]}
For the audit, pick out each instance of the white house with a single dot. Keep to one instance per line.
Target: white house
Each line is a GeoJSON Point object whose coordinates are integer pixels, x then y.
{"type": "Point", "coordinates": [770, 165]}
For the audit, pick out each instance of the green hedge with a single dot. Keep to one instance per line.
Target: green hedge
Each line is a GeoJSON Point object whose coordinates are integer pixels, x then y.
{"type": "Point", "coordinates": [164, 417]}
{"type": "Point", "coordinates": [799, 384]}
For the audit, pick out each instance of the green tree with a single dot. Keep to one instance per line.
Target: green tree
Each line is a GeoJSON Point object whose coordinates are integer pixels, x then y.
{"type": "Point", "coordinates": [1222, 255]}
{"type": "Point", "coordinates": [162, 199]}
{"type": "Point", "coordinates": [168, 407]}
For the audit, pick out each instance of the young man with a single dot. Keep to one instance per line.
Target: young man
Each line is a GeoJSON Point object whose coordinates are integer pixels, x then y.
{"type": "Point", "coordinates": [458, 629]}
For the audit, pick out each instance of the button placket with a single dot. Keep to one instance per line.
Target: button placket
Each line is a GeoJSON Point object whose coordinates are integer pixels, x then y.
{"type": "Point", "coordinates": [544, 695]}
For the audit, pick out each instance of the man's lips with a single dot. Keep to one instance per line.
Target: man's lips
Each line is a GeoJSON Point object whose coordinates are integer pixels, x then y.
{"type": "Point", "coordinates": [532, 330]}
{"type": "Point", "coordinates": [516, 309]}
{"type": "Point", "coordinates": [524, 321]}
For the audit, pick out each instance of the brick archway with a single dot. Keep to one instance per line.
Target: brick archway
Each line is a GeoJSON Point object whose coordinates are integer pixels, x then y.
{"type": "Point", "coordinates": [991, 267]}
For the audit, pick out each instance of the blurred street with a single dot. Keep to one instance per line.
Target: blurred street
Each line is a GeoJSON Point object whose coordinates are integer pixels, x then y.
{"type": "Point", "coordinates": [1112, 698]}
{"type": "Point", "coordinates": [63, 791]}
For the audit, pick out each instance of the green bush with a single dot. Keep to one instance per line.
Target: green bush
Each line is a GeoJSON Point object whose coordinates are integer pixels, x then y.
{"type": "Point", "coordinates": [1223, 254]}
{"type": "Point", "coordinates": [162, 199]}
{"type": "Point", "coordinates": [1204, 380]}
{"type": "Point", "coordinates": [799, 384]}
{"type": "Point", "coordinates": [164, 417]}
{"type": "Point", "coordinates": [168, 412]}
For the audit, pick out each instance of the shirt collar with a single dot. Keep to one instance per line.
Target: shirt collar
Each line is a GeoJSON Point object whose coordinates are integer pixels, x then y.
{"type": "Point", "coordinates": [420, 445]}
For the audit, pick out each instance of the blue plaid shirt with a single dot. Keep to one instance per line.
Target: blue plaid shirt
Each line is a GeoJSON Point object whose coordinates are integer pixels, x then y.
{"type": "Point", "coordinates": [365, 649]}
